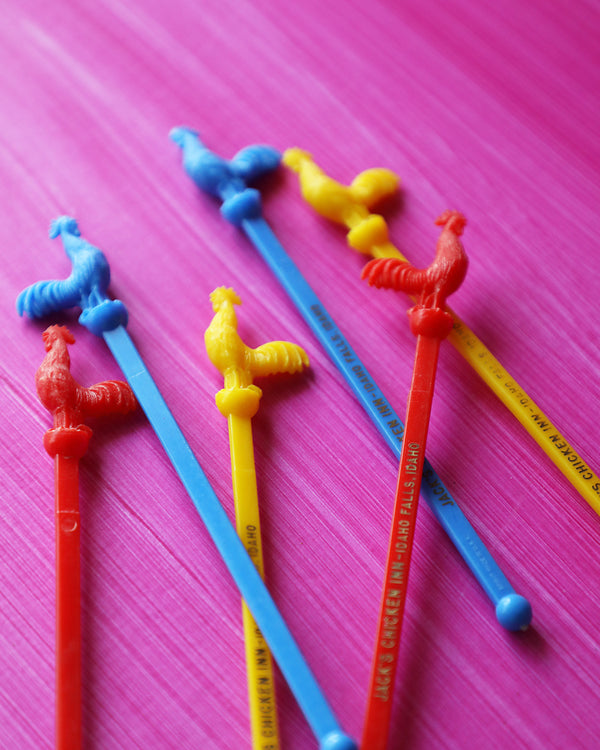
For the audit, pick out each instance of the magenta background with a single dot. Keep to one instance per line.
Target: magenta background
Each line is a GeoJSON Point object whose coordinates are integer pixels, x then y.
{"type": "Point", "coordinates": [488, 107]}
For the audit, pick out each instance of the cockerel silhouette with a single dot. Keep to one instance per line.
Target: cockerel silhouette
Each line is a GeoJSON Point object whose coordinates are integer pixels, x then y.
{"type": "Point", "coordinates": [69, 402]}
{"type": "Point", "coordinates": [343, 204]}
{"type": "Point", "coordinates": [90, 273]}
{"type": "Point", "coordinates": [237, 362]}
{"type": "Point", "coordinates": [436, 282]}
{"type": "Point", "coordinates": [211, 172]}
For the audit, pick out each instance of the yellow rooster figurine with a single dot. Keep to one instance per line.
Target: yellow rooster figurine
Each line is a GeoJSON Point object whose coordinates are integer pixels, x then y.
{"type": "Point", "coordinates": [238, 363]}
{"type": "Point", "coordinates": [346, 204]}
{"type": "Point", "coordinates": [238, 401]}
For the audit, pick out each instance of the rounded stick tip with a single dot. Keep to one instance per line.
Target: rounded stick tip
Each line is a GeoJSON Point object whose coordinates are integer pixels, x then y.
{"type": "Point", "coordinates": [337, 740]}
{"type": "Point", "coordinates": [513, 612]}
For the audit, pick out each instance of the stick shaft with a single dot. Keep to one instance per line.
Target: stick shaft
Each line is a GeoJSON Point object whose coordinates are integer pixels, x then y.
{"type": "Point", "coordinates": [377, 406]}
{"type": "Point", "coordinates": [259, 665]}
{"type": "Point", "coordinates": [393, 599]}
{"type": "Point", "coordinates": [529, 414]}
{"type": "Point", "coordinates": [283, 646]}
{"type": "Point", "coordinates": [245, 493]}
{"type": "Point", "coordinates": [68, 605]}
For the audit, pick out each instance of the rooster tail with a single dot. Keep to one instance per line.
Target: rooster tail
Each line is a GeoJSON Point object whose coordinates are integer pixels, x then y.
{"type": "Point", "coordinates": [278, 357]}
{"type": "Point", "coordinates": [109, 397]}
{"type": "Point", "coordinates": [253, 162]}
{"type": "Point", "coordinates": [44, 297]}
{"type": "Point", "coordinates": [392, 273]}
{"type": "Point", "coordinates": [374, 185]}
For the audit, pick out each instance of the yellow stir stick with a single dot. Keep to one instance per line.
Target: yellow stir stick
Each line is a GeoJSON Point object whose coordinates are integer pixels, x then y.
{"type": "Point", "coordinates": [238, 401]}
{"type": "Point", "coordinates": [368, 234]}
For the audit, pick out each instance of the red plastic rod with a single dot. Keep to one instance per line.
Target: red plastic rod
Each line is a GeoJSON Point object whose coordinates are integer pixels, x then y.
{"type": "Point", "coordinates": [67, 442]}
{"type": "Point", "coordinates": [430, 323]}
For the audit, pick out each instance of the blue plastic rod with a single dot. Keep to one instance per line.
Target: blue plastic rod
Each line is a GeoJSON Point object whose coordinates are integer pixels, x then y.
{"type": "Point", "coordinates": [228, 181]}
{"type": "Point", "coordinates": [86, 288]}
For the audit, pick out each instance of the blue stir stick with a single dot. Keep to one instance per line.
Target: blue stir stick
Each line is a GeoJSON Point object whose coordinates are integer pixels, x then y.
{"type": "Point", "coordinates": [86, 288]}
{"type": "Point", "coordinates": [227, 180]}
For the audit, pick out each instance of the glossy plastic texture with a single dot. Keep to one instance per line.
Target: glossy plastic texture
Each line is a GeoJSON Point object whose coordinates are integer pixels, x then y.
{"type": "Point", "coordinates": [238, 401]}
{"type": "Point", "coordinates": [283, 646]}
{"type": "Point", "coordinates": [85, 287]}
{"type": "Point", "coordinates": [431, 324]}
{"type": "Point", "coordinates": [69, 403]}
{"type": "Point", "coordinates": [227, 179]}
{"type": "Point", "coordinates": [515, 612]}
{"type": "Point", "coordinates": [368, 234]}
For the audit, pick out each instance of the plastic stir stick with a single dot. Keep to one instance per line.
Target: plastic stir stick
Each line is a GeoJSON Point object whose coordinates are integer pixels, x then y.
{"type": "Point", "coordinates": [242, 207]}
{"type": "Point", "coordinates": [86, 288]}
{"type": "Point", "coordinates": [239, 401]}
{"type": "Point", "coordinates": [431, 324]}
{"type": "Point", "coordinates": [67, 442]}
{"type": "Point", "coordinates": [348, 205]}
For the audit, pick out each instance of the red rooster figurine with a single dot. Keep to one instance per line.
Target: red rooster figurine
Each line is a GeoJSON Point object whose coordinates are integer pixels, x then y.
{"type": "Point", "coordinates": [68, 401]}
{"type": "Point", "coordinates": [432, 284]}
{"type": "Point", "coordinates": [67, 442]}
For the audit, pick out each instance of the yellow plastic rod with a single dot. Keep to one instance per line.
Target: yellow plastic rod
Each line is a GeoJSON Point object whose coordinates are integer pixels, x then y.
{"type": "Point", "coordinates": [368, 234]}
{"type": "Point", "coordinates": [238, 401]}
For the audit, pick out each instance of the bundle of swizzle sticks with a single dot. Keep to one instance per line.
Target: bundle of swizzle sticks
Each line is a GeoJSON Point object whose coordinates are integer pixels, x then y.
{"type": "Point", "coordinates": [430, 320]}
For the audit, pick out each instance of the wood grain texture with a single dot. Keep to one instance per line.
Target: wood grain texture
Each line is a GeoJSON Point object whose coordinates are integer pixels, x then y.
{"type": "Point", "coordinates": [490, 108]}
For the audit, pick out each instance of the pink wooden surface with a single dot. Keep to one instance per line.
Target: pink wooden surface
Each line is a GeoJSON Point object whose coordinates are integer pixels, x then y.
{"type": "Point", "coordinates": [491, 108]}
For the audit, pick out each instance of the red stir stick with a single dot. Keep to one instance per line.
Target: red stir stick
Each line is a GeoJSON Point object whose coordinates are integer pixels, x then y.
{"type": "Point", "coordinates": [430, 323]}
{"type": "Point", "coordinates": [67, 442]}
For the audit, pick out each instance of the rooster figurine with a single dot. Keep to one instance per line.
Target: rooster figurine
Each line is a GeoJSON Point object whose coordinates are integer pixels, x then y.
{"type": "Point", "coordinates": [238, 363]}
{"type": "Point", "coordinates": [347, 204]}
{"type": "Point", "coordinates": [68, 401]}
{"type": "Point", "coordinates": [431, 285]}
{"type": "Point", "coordinates": [333, 200]}
{"type": "Point", "coordinates": [224, 179]}
{"type": "Point", "coordinates": [85, 286]}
